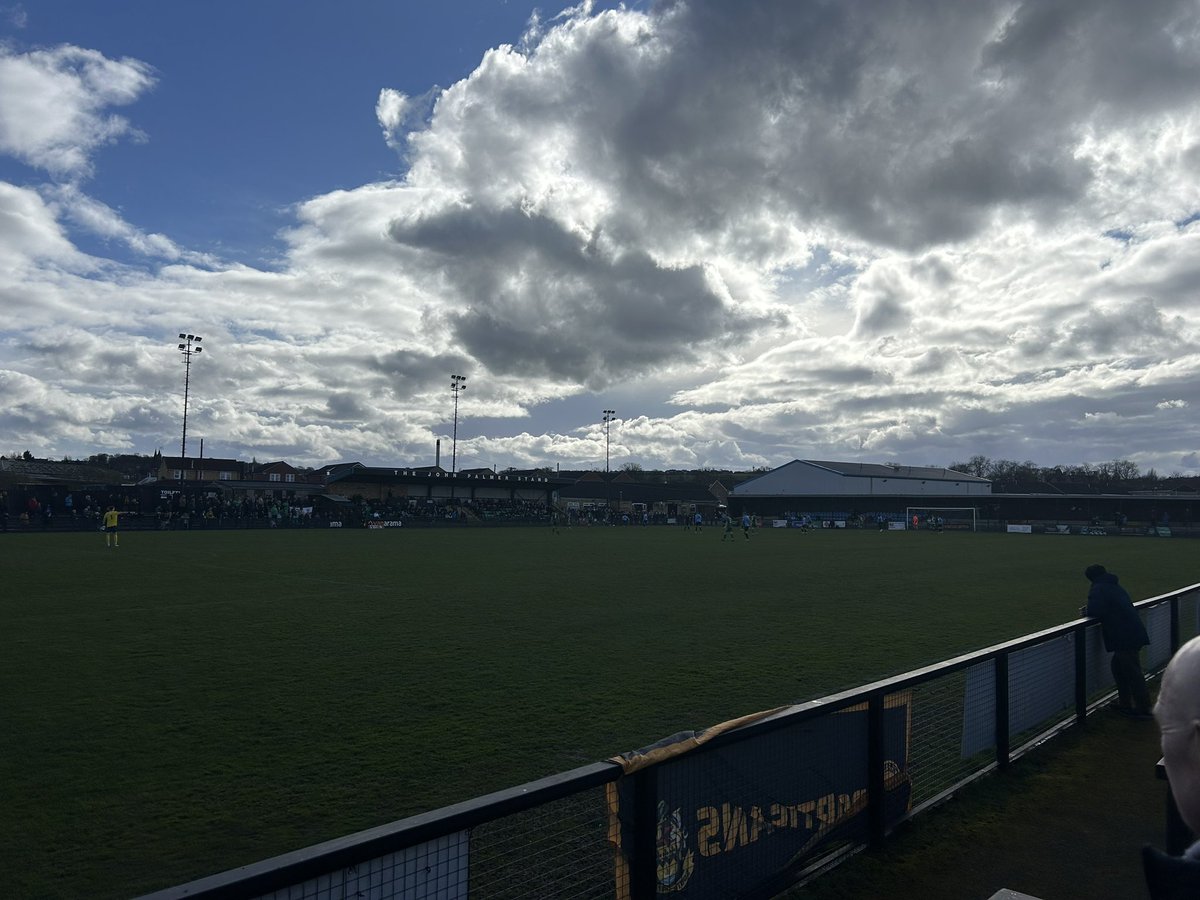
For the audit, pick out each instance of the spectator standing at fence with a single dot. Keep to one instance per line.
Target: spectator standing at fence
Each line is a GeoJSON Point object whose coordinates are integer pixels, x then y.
{"type": "Point", "coordinates": [1124, 637]}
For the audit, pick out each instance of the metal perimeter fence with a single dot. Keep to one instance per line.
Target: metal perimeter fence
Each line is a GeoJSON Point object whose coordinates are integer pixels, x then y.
{"type": "Point", "coordinates": [743, 809]}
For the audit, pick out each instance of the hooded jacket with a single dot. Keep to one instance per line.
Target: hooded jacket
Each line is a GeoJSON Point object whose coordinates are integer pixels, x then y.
{"type": "Point", "coordinates": [1119, 622]}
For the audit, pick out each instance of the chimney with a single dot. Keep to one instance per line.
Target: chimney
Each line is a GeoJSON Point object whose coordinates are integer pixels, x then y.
{"type": "Point", "coordinates": [437, 453]}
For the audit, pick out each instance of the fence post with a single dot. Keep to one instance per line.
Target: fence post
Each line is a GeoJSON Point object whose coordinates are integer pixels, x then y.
{"type": "Point", "coordinates": [876, 783]}
{"type": "Point", "coordinates": [644, 871]}
{"type": "Point", "coordinates": [1002, 748]}
{"type": "Point", "coordinates": [1081, 675]}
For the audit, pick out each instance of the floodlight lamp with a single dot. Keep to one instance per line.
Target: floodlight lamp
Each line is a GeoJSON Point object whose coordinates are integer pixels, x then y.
{"type": "Point", "coordinates": [198, 339]}
{"type": "Point", "coordinates": [182, 335]}
{"type": "Point", "coordinates": [181, 347]}
{"type": "Point", "coordinates": [199, 349]}
{"type": "Point", "coordinates": [190, 336]}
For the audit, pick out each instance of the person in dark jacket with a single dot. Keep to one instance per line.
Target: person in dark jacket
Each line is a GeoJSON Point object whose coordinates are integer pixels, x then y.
{"type": "Point", "coordinates": [1124, 637]}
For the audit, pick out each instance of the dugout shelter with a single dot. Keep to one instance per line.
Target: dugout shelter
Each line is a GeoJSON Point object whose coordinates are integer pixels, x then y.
{"type": "Point", "coordinates": [433, 483]}
{"type": "Point", "coordinates": [623, 494]}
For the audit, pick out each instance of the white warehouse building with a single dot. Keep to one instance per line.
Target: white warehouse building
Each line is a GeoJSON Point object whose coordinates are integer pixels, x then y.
{"type": "Point", "coordinates": [809, 477]}
{"type": "Point", "coordinates": [809, 485]}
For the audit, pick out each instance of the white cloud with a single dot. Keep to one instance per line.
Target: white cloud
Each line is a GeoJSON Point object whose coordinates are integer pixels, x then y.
{"type": "Point", "coordinates": [54, 105]}
{"type": "Point", "coordinates": [30, 235]}
{"type": "Point", "coordinates": [391, 110]}
{"type": "Point", "coordinates": [54, 115]}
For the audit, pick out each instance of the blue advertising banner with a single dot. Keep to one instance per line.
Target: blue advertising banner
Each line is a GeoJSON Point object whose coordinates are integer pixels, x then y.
{"type": "Point", "coordinates": [739, 817]}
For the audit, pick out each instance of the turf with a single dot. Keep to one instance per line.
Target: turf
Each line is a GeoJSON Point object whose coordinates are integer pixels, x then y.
{"type": "Point", "coordinates": [196, 701]}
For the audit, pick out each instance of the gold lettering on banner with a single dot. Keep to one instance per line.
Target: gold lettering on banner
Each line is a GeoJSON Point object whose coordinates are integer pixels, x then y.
{"type": "Point", "coordinates": [724, 829]}
{"type": "Point", "coordinates": [733, 821]}
{"type": "Point", "coordinates": [708, 822]}
{"type": "Point", "coordinates": [757, 824]}
{"type": "Point", "coordinates": [779, 815]}
{"type": "Point", "coordinates": [845, 807]}
{"type": "Point", "coordinates": [825, 809]}
{"type": "Point", "coordinates": [807, 809]}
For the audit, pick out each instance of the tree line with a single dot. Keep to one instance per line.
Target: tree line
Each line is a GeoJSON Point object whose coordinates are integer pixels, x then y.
{"type": "Point", "coordinates": [1124, 472]}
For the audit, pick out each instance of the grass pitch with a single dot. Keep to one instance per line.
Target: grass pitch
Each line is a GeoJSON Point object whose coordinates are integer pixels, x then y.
{"type": "Point", "coordinates": [196, 701]}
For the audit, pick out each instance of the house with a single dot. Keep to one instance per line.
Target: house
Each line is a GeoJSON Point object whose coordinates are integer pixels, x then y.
{"type": "Point", "coordinates": [197, 469]}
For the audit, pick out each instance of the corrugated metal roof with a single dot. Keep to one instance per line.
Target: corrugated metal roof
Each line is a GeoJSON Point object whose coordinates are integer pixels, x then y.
{"type": "Point", "coordinates": [893, 470]}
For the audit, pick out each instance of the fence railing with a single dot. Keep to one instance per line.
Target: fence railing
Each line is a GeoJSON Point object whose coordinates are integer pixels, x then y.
{"type": "Point", "coordinates": [743, 809]}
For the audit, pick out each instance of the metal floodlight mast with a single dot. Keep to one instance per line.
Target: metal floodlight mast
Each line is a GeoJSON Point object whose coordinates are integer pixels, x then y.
{"type": "Point", "coordinates": [190, 343]}
{"type": "Point", "coordinates": [609, 415]}
{"type": "Point", "coordinates": [458, 384]}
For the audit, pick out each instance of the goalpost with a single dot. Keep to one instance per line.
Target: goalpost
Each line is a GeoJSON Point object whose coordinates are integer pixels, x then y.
{"type": "Point", "coordinates": [959, 518]}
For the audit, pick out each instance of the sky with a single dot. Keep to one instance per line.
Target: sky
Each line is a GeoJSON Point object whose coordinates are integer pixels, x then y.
{"type": "Point", "coordinates": [759, 231]}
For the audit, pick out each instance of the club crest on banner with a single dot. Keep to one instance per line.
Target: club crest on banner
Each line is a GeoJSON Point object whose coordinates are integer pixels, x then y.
{"type": "Point", "coordinates": [676, 860]}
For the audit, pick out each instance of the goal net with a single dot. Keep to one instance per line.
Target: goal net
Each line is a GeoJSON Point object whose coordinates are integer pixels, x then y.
{"type": "Point", "coordinates": [940, 518]}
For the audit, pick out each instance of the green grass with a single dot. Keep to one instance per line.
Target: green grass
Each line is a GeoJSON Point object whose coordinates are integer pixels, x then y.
{"type": "Point", "coordinates": [193, 702]}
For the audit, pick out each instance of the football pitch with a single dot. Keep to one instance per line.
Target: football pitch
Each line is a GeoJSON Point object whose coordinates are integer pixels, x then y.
{"type": "Point", "coordinates": [196, 701]}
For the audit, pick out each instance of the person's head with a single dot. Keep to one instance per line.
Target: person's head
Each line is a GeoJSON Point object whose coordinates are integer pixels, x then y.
{"type": "Point", "coordinates": [1095, 572]}
{"type": "Point", "coordinates": [1178, 715]}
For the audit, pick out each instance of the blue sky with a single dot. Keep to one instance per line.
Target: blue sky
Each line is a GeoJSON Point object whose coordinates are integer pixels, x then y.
{"type": "Point", "coordinates": [258, 105]}
{"type": "Point", "coordinates": [759, 231]}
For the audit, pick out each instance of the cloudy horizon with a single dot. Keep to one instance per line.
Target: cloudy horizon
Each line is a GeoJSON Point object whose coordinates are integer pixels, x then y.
{"type": "Point", "coordinates": [759, 232]}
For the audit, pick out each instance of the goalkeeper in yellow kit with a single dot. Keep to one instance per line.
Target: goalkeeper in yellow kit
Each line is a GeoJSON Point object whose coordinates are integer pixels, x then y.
{"type": "Point", "coordinates": [112, 520]}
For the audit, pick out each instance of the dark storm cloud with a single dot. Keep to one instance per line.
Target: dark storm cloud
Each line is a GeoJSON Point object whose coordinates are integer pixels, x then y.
{"type": "Point", "coordinates": [1131, 328]}
{"type": "Point", "coordinates": [933, 362]}
{"type": "Point", "coordinates": [418, 371]}
{"type": "Point", "coordinates": [880, 315]}
{"type": "Point", "coordinates": [1125, 55]}
{"type": "Point", "coordinates": [905, 124]}
{"type": "Point", "coordinates": [542, 301]}
{"type": "Point", "coordinates": [848, 375]}
{"type": "Point", "coordinates": [347, 408]}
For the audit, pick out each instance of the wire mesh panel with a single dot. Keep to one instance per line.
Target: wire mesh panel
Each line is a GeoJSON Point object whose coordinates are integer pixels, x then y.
{"type": "Point", "coordinates": [1189, 616]}
{"type": "Point", "coordinates": [1041, 687]}
{"type": "Point", "coordinates": [1098, 679]}
{"type": "Point", "coordinates": [953, 727]}
{"type": "Point", "coordinates": [560, 849]}
{"type": "Point", "coordinates": [433, 870]}
{"type": "Point", "coordinates": [1157, 619]}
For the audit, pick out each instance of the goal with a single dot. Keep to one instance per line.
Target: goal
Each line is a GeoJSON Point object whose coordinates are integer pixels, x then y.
{"type": "Point", "coordinates": [957, 518]}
